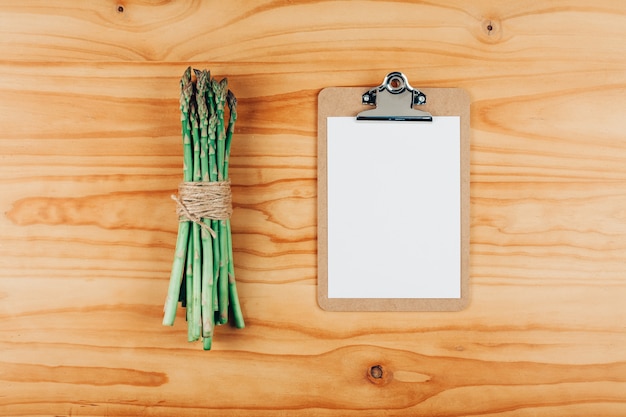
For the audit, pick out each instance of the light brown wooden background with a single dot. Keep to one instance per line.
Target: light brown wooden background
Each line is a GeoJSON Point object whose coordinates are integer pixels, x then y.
{"type": "Point", "coordinates": [90, 152]}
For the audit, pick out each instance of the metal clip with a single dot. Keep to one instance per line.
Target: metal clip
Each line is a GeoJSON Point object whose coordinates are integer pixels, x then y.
{"type": "Point", "coordinates": [394, 100]}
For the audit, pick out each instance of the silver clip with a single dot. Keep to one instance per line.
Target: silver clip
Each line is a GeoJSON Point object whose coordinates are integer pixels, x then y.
{"type": "Point", "coordinates": [394, 100]}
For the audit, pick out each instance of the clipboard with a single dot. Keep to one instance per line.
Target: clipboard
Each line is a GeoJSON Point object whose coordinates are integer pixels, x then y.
{"type": "Point", "coordinates": [393, 198]}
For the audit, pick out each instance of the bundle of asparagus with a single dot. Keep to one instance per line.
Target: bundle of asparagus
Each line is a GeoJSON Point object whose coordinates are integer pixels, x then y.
{"type": "Point", "coordinates": [203, 276]}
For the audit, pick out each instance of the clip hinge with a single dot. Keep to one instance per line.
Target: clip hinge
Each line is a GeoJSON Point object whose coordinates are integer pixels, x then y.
{"type": "Point", "coordinates": [394, 100]}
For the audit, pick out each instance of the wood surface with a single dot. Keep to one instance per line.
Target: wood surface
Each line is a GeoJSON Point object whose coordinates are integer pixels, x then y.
{"type": "Point", "coordinates": [90, 152]}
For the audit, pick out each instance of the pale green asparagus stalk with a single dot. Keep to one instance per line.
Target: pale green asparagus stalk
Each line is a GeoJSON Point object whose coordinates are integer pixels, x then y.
{"type": "Point", "coordinates": [232, 283]}
{"type": "Point", "coordinates": [189, 289]}
{"type": "Point", "coordinates": [232, 106]}
{"type": "Point", "coordinates": [210, 100]}
{"type": "Point", "coordinates": [207, 248]}
{"type": "Point", "coordinates": [194, 299]}
{"type": "Point", "coordinates": [219, 90]}
{"type": "Point", "coordinates": [176, 276]}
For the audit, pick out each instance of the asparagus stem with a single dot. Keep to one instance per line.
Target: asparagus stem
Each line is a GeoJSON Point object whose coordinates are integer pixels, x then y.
{"type": "Point", "coordinates": [207, 248]}
{"type": "Point", "coordinates": [223, 279]}
{"type": "Point", "coordinates": [173, 293]}
{"type": "Point", "coordinates": [232, 283]}
{"type": "Point", "coordinates": [207, 286]}
{"type": "Point", "coordinates": [186, 97]}
{"type": "Point", "coordinates": [196, 322]}
{"type": "Point", "coordinates": [176, 276]}
{"type": "Point", "coordinates": [203, 114]}
{"type": "Point", "coordinates": [220, 95]}
{"type": "Point", "coordinates": [219, 92]}
{"type": "Point", "coordinates": [189, 289]}
{"type": "Point", "coordinates": [212, 129]}
{"type": "Point", "coordinates": [207, 343]}
{"type": "Point", "coordinates": [232, 105]}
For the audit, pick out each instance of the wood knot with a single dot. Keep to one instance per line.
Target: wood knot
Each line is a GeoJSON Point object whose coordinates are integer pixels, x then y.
{"type": "Point", "coordinates": [377, 375]}
{"type": "Point", "coordinates": [491, 30]}
{"type": "Point", "coordinates": [376, 371]}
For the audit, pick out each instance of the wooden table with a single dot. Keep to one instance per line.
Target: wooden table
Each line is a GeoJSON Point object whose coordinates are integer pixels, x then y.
{"type": "Point", "coordinates": [90, 153]}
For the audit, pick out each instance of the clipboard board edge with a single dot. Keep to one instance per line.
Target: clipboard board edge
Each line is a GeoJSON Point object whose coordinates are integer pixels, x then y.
{"type": "Point", "coordinates": [343, 102]}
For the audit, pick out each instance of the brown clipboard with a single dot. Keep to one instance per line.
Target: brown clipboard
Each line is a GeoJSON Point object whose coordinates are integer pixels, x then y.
{"type": "Point", "coordinates": [348, 101]}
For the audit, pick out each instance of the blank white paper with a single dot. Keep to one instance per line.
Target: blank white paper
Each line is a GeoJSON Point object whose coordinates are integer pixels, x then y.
{"type": "Point", "coordinates": [394, 208]}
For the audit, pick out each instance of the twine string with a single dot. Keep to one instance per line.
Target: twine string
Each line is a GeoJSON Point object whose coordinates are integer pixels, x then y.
{"type": "Point", "coordinates": [204, 200]}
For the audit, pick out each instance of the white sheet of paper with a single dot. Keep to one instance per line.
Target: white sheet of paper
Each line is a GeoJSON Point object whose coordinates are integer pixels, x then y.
{"type": "Point", "coordinates": [394, 204]}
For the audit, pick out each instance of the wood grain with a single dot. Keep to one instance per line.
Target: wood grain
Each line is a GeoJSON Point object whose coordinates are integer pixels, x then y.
{"type": "Point", "coordinates": [90, 152]}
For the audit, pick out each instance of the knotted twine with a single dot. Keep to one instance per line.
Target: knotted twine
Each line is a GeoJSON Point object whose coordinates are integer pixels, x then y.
{"type": "Point", "coordinates": [204, 200]}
